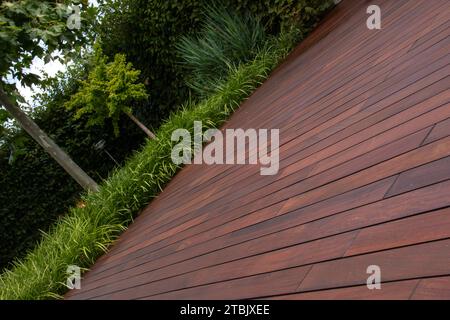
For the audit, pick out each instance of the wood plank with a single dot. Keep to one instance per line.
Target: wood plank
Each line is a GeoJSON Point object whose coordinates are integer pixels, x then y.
{"type": "Point", "coordinates": [424, 260]}
{"type": "Point", "coordinates": [246, 288]}
{"type": "Point", "coordinates": [158, 282]}
{"type": "Point", "coordinates": [433, 289]}
{"type": "Point", "coordinates": [418, 177]}
{"type": "Point", "coordinates": [442, 129]}
{"type": "Point", "coordinates": [425, 227]}
{"type": "Point", "coordinates": [183, 250]}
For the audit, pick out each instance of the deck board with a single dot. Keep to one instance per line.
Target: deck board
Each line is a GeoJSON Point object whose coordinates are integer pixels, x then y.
{"type": "Point", "coordinates": [364, 179]}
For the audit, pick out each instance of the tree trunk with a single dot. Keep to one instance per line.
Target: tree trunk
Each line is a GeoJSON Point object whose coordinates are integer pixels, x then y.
{"type": "Point", "coordinates": [150, 134]}
{"type": "Point", "coordinates": [48, 144]}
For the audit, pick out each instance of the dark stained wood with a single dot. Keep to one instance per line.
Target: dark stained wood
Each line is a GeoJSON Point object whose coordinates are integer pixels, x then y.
{"type": "Point", "coordinates": [332, 247]}
{"type": "Point", "coordinates": [364, 179]}
{"type": "Point", "coordinates": [264, 284]}
{"type": "Point", "coordinates": [188, 249]}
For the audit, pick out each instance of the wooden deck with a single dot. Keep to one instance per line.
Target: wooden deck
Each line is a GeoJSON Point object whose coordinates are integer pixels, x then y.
{"type": "Point", "coordinates": [364, 118]}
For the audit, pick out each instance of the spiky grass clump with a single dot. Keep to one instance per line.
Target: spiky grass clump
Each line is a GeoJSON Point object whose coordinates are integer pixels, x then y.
{"type": "Point", "coordinates": [83, 234]}
{"type": "Point", "coordinates": [226, 40]}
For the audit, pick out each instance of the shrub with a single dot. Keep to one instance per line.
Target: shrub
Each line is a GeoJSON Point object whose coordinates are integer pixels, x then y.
{"type": "Point", "coordinates": [109, 92]}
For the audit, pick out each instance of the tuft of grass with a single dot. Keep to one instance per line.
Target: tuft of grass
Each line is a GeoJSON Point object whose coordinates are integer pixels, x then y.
{"type": "Point", "coordinates": [83, 234]}
{"type": "Point", "coordinates": [225, 41]}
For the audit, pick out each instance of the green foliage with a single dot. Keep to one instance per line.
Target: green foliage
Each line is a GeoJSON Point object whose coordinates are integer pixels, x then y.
{"type": "Point", "coordinates": [10, 137]}
{"type": "Point", "coordinates": [35, 28]}
{"type": "Point", "coordinates": [225, 40]}
{"type": "Point", "coordinates": [109, 91]}
{"type": "Point", "coordinates": [84, 233]}
{"type": "Point", "coordinates": [35, 190]}
{"type": "Point", "coordinates": [4, 116]}
{"type": "Point", "coordinates": [283, 14]}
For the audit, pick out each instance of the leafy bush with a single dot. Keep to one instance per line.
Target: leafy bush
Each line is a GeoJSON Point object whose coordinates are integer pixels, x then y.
{"type": "Point", "coordinates": [225, 40]}
{"type": "Point", "coordinates": [84, 233]}
{"type": "Point", "coordinates": [109, 92]}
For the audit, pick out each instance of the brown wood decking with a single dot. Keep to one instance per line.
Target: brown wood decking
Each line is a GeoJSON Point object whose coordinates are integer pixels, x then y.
{"type": "Point", "coordinates": [364, 119]}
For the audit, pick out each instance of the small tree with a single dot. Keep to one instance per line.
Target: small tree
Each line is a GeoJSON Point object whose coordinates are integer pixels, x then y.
{"type": "Point", "coordinates": [109, 91]}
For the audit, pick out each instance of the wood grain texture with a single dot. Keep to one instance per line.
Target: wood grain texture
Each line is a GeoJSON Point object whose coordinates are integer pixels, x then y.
{"type": "Point", "coordinates": [364, 179]}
